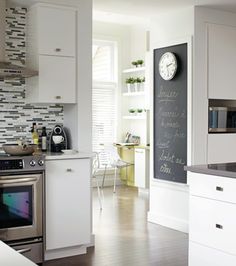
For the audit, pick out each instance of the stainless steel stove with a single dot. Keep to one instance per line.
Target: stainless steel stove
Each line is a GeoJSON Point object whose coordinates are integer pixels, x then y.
{"type": "Point", "coordinates": [22, 204]}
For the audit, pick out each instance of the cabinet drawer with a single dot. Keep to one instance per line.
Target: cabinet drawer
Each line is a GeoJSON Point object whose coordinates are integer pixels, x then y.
{"type": "Point", "coordinates": [212, 223]}
{"type": "Point", "coordinates": [204, 256]}
{"type": "Point", "coordinates": [213, 187]}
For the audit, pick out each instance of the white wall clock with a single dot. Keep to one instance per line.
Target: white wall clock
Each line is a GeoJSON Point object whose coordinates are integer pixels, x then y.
{"type": "Point", "coordinates": [168, 66]}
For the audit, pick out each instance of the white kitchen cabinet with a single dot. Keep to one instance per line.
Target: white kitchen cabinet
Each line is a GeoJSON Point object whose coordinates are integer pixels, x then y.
{"type": "Point", "coordinates": [56, 31]}
{"type": "Point", "coordinates": [56, 82]}
{"type": "Point", "coordinates": [141, 168]}
{"type": "Point", "coordinates": [212, 218]}
{"type": "Point", "coordinates": [68, 203]}
{"type": "Point", "coordinates": [221, 148]}
{"type": "Point", "coordinates": [51, 50]}
{"type": "Point", "coordinates": [221, 61]}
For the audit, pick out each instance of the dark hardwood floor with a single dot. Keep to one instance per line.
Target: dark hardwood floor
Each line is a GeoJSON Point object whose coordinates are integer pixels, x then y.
{"type": "Point", "coordinates": [124, 238]}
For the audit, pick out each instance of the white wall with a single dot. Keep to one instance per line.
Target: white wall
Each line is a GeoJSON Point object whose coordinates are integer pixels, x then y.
{"type": "Point", "coordinates": [168, 200]}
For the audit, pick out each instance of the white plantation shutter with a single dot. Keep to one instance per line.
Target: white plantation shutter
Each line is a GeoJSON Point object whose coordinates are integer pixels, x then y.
{"type": "Point", "coordinates": [103, 94]}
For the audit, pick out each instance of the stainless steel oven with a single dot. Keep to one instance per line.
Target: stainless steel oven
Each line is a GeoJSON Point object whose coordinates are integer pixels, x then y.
{"type": "Point", "coordinates": [222, 119]}
{"type": "Point", "coordinates": [22, 204]}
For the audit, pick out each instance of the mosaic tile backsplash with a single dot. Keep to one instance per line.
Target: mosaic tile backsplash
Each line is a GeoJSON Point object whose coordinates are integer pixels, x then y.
{"type": "Point", "coordinates": [16, 117]}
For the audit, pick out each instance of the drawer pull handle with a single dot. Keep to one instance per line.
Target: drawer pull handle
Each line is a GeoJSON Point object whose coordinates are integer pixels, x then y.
{"type": "Point", "coordinates": [219, 188]}
{"type": "Point", "coordinates": [69, 170]}
{"type": "Point", "coordinates": [58, 49]}
{"type": "Point", "coordinates": [58, 97]}
{"type": "Point", "coordinates": [219, 226]}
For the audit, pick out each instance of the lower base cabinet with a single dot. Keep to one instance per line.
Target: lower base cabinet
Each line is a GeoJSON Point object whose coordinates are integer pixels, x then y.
{"type": "Point", "coordinates": [68, 203]}
{"type": "Point", "coordinates": [200, 255]}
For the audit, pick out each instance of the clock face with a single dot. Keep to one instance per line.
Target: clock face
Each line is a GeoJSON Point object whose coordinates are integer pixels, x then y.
{"type": "Point", "coordinates": [168, 66]}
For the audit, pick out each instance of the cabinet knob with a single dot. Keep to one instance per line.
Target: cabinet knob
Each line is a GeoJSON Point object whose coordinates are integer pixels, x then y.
{"type": "Point", "coordinates": [68, 170]}
{"type": "Point", "coordinates": [58, 97]}
{"type": "Point", "coordinates": [219, 226]}
{"type": "Point", "coordinates": [219, 188]}
{"type": "Point", "coordinates": [58, 50]}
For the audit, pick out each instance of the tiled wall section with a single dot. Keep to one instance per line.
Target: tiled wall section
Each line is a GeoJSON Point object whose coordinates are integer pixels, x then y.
{"type": "Point", "coordinates": [16, 116]}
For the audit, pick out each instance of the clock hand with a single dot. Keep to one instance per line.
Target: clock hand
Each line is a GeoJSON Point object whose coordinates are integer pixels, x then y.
{"type": "Point", "coordinates": [169, 64]}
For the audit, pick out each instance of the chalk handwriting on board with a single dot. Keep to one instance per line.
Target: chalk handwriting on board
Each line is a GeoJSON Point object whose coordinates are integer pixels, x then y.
{"type": "Point", "coordinates": [170, 118]}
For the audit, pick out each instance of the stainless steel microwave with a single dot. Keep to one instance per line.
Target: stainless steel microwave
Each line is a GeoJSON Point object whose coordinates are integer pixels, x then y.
{"type": "Point", "coordinates": [222, 120]}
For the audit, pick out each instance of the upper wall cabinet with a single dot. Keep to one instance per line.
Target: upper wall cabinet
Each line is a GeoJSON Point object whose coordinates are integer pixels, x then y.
{"type": "Point", "coordinates": [221, 58]}
{"type": "Point", "coordinates": [56, 31]}
{"type": "Point", "coordinates": [51, 50]}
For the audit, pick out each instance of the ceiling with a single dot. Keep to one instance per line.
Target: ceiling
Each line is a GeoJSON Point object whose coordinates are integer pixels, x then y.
{"type": "Point", "coordinates": [121, 10]}
{"type": "Point", "coordinates": [149, 8]}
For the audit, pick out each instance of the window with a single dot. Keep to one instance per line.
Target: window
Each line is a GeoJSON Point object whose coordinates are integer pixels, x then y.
{"type": "Point", "coordinates": [104, 93]}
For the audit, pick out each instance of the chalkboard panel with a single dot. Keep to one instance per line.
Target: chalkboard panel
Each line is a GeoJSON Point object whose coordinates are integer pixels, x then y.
{"type": "Point", "coordinates": [170, 118]}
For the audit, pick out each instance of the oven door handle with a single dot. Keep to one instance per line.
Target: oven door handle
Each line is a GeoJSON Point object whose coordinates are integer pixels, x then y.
{"type": "Point", "coordinates": [20, 180]}
{"type": "Point", "coordinates": [21, 251]}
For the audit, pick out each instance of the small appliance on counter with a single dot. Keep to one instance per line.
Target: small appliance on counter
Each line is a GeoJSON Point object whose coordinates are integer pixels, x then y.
{"type": "Point", "coordinates": [58, 139]}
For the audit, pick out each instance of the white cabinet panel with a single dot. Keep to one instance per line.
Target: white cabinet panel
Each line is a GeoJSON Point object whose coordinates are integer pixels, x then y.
{"type": "Point", "coordinates": [213, 187]}
{"type": "Point", "coordinates": [221, 148]}
{"type": "Point", "coordinates": [212, 223]}
{"type": "Point", "coordinates": [204, 256]}
{"type": "Point", "coordinates": [56, 31]}
{"type": "Point", "coordinates": [221, 61]}
{"type": "Point", "coordinates": [140, 168]}
{"type": "Point", "coordinates": [68, 208]}
{"type": "Point", "coordinates": [57, 81]}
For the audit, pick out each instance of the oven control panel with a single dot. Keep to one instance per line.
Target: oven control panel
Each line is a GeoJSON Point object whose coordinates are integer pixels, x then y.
{"type": "Point", "coordinates": [11, 164]}
{"type": "Point", "coordinates": [23, 163]}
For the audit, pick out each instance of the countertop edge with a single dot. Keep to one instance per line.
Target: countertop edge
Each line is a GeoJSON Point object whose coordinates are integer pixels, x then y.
{"type": "Point", "coordinates": [61, 156]}
{"type": "Point", "coordinates": [199, 169]}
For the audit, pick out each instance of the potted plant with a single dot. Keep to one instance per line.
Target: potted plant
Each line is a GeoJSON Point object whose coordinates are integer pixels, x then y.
{"type": "Point", "coordinates": [139, 111]}
{"type": "Point", "coordinates": [139, 62]}
{"type": "Point", "coordinates": [129, 81]}
{"type": "Point", "coordinates": [132, 111]}
{"type": "Point", "coordinates": [137, 84]}
{"type": "Point", "coordinates": [135, 63]}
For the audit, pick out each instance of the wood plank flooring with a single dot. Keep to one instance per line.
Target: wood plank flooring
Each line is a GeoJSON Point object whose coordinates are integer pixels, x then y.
{"type": "Point", "coordinates": [124, 238]}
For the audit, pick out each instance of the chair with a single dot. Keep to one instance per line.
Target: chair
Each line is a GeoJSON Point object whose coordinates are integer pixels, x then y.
{"type": "Point", "coordinates": [95, 168]}
{"type": "Point", "coordinates": [114, 161]}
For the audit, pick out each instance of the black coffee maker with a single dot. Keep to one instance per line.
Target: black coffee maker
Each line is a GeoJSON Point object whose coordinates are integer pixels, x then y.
{"type": "Point", "coordinates": [58, 139]}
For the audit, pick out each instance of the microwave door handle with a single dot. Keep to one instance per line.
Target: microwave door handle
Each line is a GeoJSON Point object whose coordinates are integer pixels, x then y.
{"type": "Point", "coordinates": [20, 180]}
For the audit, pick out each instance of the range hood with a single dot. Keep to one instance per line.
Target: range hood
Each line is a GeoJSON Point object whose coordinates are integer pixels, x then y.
{"type": "Point", "coordinates": [7, 69]}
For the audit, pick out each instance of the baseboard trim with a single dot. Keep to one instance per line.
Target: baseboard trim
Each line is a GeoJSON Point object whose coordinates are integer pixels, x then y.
{"type": "Point", "coordinates": [167, 221]}
{"type": "Point", "coordinates": [64, 252]}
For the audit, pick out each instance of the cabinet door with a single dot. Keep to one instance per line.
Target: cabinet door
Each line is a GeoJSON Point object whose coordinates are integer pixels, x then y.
{"type": "Point", "coordinates": [221, 61]}
{"type": "Point", "coordinates": [68, 204]}
{"type": "Point", "coordinates": [56, 31]}
{"type": "Point", "coordinates": [57, 81]}
{"type": "Point", "coordinates": [140, 168]}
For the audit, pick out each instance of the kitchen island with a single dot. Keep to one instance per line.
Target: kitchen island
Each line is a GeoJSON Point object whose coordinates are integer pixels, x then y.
{"type": "Point", "coordinates": [212, 214]}
{"type": "Point", "coordinates": [10, 257]}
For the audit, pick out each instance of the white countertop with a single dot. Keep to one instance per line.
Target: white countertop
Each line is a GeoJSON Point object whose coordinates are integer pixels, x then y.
{"type": "Point", "coordinates": [9, 257]}
{"type": "Point", "coordinates": [62, 156]}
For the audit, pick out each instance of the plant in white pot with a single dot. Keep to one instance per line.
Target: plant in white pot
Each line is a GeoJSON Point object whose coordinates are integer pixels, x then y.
{"type": "Point", "coordinates": [140, 62]}
{"type": "Point", "coordinates": [132, 111]}
{"type": "Point", "coordinates": [129, 82]}
{"type": "Point", "coordinates": [137, 84]}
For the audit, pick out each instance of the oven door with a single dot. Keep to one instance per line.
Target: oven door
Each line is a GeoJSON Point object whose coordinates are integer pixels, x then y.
{"type": "Point", "coordinates": [21, 206]}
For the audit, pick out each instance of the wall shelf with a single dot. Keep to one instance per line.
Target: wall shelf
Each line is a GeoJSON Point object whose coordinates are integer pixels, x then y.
{"type": "Point", "coordinates": [135, 93]}
{"type": "Point", "coordinates": [134, 70]}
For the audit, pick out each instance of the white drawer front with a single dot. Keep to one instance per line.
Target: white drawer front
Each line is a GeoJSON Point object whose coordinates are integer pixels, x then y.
{"type": "Point", "coordinates": [203, 256]}
{"type": "Point", "coordinates": [213, 223]}
{"type": "Point", "coordinates": [213, 187]}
